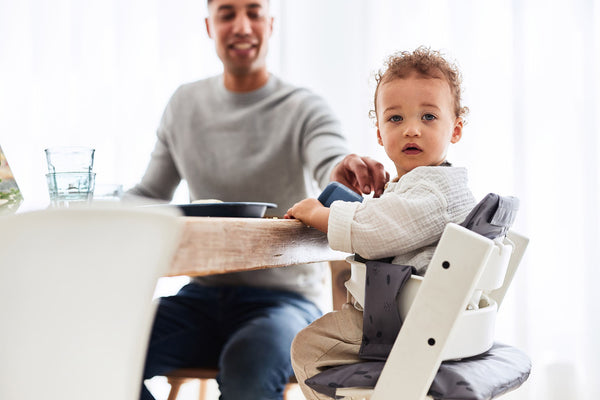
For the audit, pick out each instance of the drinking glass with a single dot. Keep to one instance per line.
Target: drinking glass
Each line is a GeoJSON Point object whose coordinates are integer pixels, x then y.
{"type": "Point", "coordinates": [70, 189]}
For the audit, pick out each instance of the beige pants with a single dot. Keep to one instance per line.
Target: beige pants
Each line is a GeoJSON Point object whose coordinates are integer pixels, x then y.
{"type": "Point", "coordinates": [334, 339]}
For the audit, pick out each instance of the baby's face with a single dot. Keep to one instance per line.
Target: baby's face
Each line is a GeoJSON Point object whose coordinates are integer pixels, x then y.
{"type": "Point", "coordinates": [416, 122]}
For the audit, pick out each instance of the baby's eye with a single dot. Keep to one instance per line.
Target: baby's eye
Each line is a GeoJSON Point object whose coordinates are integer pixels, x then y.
{"type": "Point", "coordinates": [429, 117]}
{"type": "Point", "coordinates": [395, 118]}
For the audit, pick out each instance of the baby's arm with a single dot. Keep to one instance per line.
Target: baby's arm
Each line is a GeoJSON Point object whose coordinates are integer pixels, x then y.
{"type": "Point", "coordinates": [311, 212]}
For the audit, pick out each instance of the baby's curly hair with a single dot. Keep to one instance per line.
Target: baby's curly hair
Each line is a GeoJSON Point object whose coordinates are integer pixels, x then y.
{"type": "Point", "coordinates": [425, 62]}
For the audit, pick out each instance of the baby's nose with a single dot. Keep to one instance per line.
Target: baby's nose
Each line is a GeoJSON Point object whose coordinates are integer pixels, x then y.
{"type": "Point", "coordinates": [412, 130]}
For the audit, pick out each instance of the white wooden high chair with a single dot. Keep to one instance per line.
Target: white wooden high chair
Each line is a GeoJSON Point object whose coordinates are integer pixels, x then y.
{"type": "Point", "coordinates": [448, 314]}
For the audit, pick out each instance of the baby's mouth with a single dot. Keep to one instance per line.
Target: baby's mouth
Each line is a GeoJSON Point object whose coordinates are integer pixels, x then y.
{"type": "Point", "coordinates": [411, 149]}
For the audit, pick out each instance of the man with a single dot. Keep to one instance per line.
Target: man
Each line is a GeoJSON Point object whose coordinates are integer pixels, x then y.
{"type": "Point", "coordinates": [245, 136]}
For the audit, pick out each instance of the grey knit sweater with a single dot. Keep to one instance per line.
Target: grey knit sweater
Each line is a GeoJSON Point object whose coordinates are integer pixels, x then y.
{"type": "Point", "coordinates": [269, 145]}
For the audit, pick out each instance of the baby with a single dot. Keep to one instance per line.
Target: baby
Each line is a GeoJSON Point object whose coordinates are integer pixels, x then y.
{"type": "Point", "coordinates": [418, 114]}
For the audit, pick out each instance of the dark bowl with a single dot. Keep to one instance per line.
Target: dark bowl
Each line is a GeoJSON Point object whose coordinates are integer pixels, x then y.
{"type": "Point", "coordinates": [226, 209]}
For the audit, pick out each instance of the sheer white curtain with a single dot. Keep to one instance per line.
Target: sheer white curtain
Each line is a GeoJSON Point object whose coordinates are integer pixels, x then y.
{"type": "Point", "coordinates": [99, 73]}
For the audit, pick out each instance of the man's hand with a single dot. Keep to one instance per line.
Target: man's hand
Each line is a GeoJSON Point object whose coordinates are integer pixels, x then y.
{"type": "Point", "coordinates": [311, 212]}
{"type": "Point", "coordinates": [361, 174]}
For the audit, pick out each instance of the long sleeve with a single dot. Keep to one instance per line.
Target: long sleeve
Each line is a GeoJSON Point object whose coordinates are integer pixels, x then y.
{"type": "Point", "coordinates": [406, 220]}
{"type": "Point", "coordinates": [321, 140]}
{"type": "Point", "coordinates": [161, 177]}
{"type": "Point", "coordinates": [393, 224]}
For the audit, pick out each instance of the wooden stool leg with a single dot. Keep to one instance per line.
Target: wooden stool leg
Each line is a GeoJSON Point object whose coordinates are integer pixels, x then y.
{"type": "Point", "coordinates": [287, 389]}
{"type": "Point", "coordinates": [203, 388]}
{"type": "Point", "coordinates": [175, 386]}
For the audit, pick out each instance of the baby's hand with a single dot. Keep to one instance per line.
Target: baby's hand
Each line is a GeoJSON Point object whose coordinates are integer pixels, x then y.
{"type": "Point", "coordinates": [302, 209]}
{"type": "Point", "coordinates": [311, 212]}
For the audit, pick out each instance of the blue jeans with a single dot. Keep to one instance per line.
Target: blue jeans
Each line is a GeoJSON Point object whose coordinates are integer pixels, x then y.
{"type": "Point", "coordinates": [245, 332]}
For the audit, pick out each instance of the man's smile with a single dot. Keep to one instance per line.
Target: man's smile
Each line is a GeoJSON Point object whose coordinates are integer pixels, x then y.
{"type": "Point", "coordinates": [242, 46]}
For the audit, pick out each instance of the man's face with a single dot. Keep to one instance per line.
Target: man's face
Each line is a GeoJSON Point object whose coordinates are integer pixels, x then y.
{"type": "Point", "coordinates": [241, 30]}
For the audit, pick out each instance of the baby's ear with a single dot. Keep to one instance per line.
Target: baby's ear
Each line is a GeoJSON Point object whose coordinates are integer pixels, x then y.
{"type": "Point", "coordinates": [379, 140]}
{"type": "Point", "coordinates": [457, 131]}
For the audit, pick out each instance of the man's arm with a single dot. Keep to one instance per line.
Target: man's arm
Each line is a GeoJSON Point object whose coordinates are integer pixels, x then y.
{"type": "Point", "coordinates": [161, 177]}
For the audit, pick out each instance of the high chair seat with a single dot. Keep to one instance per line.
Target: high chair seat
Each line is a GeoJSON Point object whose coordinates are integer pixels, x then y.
{"type": "Point", "coordinates": [474, 330]}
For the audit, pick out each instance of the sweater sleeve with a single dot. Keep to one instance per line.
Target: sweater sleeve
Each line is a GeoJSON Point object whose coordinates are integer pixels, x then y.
{"type": "Point", "coordinates": [323, 145]}
{"type": "Point", "coordinates": [161, 177]}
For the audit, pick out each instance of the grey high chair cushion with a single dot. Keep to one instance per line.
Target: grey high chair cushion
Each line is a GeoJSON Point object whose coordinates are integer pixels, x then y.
{"type": "Point", "coordinates": [492, 216]}
{"type": "Point", "coordinates": [483, 377]}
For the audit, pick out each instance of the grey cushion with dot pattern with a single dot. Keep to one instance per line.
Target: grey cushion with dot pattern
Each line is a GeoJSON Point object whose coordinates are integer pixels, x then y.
{"type": "Point", "coordinates": [482, 377]}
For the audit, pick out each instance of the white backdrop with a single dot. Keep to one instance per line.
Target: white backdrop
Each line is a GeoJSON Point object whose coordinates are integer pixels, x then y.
{"type": "Point", "coordinates": [99, 73]}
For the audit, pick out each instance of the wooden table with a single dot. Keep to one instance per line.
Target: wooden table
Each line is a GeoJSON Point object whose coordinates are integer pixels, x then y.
{"type": "Point", "coordinates": [212, 245]}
